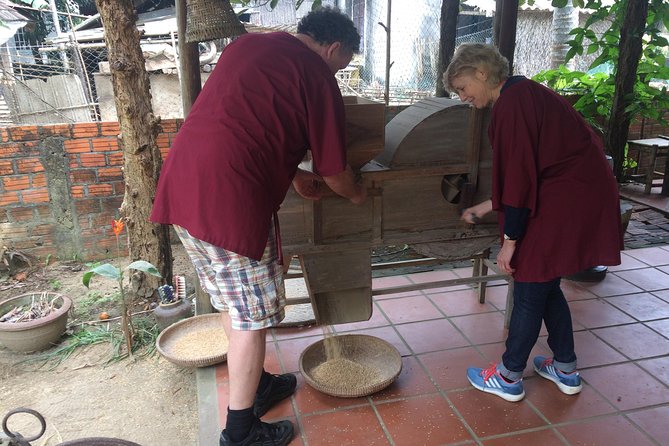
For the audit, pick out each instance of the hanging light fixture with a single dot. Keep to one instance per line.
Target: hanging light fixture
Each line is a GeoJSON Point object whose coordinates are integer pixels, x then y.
{"type": "Point", "coordinates": [211, 19]}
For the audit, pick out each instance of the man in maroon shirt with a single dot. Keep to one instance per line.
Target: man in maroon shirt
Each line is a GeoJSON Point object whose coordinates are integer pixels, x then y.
{"type": "Point", "coordinates": [270, 98]}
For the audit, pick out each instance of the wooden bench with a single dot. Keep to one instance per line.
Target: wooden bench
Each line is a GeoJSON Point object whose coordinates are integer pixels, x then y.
{"type": "Point", "coordinates": [655, 147]}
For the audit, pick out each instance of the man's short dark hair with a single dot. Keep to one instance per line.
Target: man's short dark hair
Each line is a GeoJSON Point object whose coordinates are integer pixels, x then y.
{"type": "Point", "coordinates": [328, 25]}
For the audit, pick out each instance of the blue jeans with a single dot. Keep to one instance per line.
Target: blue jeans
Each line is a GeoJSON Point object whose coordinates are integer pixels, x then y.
{"type": "Point", "coordinates": [532, 303]}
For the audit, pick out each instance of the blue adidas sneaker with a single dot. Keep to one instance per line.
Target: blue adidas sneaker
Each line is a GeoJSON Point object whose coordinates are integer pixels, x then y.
{"type": "Point", "coordinates": [568, 383]}
{"type": "Point", "coordinates": [489, 380]}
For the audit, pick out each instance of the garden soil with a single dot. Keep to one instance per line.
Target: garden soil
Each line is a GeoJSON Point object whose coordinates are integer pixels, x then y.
{"type": "Point", "coordinates": [147, 400]}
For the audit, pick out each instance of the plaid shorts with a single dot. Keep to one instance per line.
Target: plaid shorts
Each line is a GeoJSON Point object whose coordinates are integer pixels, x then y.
{"type": "Point", "coordinates": [251, 291]}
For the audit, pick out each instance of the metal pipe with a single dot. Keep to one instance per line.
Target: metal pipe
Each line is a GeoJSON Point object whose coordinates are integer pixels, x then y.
{"type": "Point", "coordinates": [47, 49]}
{"type": "Point", "coordinates": [54, 13]}
{"type": "Point", "coordinates": [70, 107]}
{"type": "Point", "coordinates": [388, 63]}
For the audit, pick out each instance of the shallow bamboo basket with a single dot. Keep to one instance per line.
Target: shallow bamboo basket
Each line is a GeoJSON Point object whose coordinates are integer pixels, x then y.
{"type": "Point", "coordinates": [208, 352]}
{"type": "Point", "coordinates": [365, 350]}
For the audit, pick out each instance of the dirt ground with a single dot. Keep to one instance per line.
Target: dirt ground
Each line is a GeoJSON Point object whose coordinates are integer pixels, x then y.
{"type": "Point", "coordinates": [147, 400]}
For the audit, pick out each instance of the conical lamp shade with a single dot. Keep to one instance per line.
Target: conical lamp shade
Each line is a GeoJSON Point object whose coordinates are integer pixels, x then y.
{"type": "Point", "coordinates": [211, 19]}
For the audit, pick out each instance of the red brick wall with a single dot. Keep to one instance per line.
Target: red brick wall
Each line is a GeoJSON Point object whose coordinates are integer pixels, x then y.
{"type": "Point", "coordinates": [60, 187]}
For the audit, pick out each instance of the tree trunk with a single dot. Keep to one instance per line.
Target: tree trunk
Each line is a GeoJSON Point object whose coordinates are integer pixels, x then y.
{"type": "Point", "coordinates": [631, 34]}
{"type": "Point", "coordinates": [564, 20]}
{"type": "Point", "coordinates": [508, 23]}
{"type": "Point", "coordinates": [190, 79]}
{"type": "Point", "coordinates": [139, 127]}
{"type": "Point", "coordinates": [447, 31]}
{"type": "Point", "coordinates": [497, 22]}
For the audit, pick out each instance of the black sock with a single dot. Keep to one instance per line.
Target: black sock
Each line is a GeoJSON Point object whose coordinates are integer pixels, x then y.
{"type": "Point", "coordinates": [238, 424]}
{"type": "Point", "coordinates": [265, 381]}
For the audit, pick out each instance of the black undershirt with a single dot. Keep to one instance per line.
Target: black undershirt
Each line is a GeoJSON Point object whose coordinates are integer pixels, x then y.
{"type": "Point", "coordinates": [515, 221]}
{"type": "Point", "coordinates": [511, 81]}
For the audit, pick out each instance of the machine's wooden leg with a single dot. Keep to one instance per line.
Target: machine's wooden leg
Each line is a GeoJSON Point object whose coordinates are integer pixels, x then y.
{"type": "Point", "coordinates": [202, 299]}
{"type": "Point", "coordinates": [481, 269]}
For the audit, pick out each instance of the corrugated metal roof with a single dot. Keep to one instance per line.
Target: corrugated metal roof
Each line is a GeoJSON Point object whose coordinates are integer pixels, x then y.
{"type": "Point", "coordinates": [8, 12]}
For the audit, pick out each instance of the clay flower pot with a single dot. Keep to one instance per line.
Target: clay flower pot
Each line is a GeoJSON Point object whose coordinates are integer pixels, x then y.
{"type": "Point", "coordinates": [169, 313]}
{"type": "Point", "coordinates": [38, 334]}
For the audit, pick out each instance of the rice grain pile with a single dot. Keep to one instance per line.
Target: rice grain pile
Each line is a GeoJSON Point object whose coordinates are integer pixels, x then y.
{"type": "Point", "coordinates": [340, 372]}
{"type": "Point", "coordinates": [345, 374]}
{"type": "Point", "coordinates": [202, 344]}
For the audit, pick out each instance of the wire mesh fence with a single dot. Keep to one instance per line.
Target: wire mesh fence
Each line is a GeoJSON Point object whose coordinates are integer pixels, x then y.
{"type": "Point", "coordinates": [401, 47]}
{"type": "Point", "coordinates": [66, 78]}
{"type": "Point", "coordinates": [42, 85]}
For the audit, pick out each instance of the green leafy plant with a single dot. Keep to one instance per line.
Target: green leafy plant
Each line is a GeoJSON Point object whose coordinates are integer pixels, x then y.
{"type": "Point", "coordinates": [595, 89]}
{"type": "Point", "coordinates": [112, 272]}
{"type": "Point", "coordinates": [56, 284]}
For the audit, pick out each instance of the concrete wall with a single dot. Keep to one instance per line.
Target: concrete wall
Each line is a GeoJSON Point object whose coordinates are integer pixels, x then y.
{"type": "Point", "coordinates": [165, 95]}
{"type": "Point", "coordinates": [534, 40]}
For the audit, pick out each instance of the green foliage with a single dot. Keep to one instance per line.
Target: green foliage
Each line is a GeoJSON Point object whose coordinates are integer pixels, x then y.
{"type": "Point", "coordinates": [596, 88]}
{"type": "Point", "coordinates": [144, 266]}
{"type": "Point", "coordinates": [146, 333]}
{"type": "Point", "coordinates": [43, 20]}
{"type": "Point", "coordinates": [56, 285]}
{"type": "Point", "coordinates": [106, 270]}
{"type": "Point", "coordinates": [111, 272]}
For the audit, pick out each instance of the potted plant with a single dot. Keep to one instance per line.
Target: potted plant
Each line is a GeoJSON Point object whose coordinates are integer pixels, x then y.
{"type": "Point", "coordinates": [34, 321]}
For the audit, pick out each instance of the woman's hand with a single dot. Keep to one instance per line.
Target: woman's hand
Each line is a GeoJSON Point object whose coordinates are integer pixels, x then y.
{"type": "Point", "coordinates": [505, 255]}
{"type": "Point", "coordinates": [308, 184]}
{"type": "Point", "coordinates": [473, 214]}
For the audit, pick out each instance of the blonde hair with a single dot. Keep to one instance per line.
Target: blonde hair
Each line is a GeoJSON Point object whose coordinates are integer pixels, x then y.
{"type": "Point", "coordinates": [470, 57]}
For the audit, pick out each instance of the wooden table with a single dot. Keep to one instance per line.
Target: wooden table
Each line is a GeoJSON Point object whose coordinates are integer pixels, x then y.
{"type": "Point", "coordinates": [655, 146]}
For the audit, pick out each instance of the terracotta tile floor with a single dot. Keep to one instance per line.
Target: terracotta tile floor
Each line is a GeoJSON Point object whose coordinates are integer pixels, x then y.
{"type": "Point", "coordinates": [622, 339]}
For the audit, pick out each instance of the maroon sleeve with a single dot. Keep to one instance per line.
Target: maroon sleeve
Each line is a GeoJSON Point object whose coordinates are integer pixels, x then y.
{"type": "Point", "coordinates": [326, 127]}
{"type": "Point", "coordinates": [514, 134]}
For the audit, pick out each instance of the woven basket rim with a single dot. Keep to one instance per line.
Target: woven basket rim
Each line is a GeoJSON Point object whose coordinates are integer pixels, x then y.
{"type": "Point", "coordinates": [393, 356]}
{"type": "Point", "coordinates": [186, 326]}
{"type": "Point", "coordinates": [209, 21]}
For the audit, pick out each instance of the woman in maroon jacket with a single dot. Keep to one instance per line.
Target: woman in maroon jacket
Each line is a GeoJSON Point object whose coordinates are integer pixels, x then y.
{"type": "Point", "coordinates": [558, 208]}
